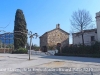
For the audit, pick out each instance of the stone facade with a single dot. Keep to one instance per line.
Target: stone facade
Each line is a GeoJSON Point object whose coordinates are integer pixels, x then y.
{"type": "Point", "coordinates": [43, 40]}
{"type": "Point", "coordinates": [57, 35]}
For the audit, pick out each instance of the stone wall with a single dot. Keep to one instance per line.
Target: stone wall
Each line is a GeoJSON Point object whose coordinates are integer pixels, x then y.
{"type": "Point", "coordinates": [57, 36]}
{"type": "Point", "coordinates": [43, 40]}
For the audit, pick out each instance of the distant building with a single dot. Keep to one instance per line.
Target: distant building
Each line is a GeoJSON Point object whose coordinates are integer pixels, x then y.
{"type": "Point", "coordinates": [90, 36]}
{"type": "Point", "coordinates": [7, 38]}
{"type": "Point", "coordinates": [98, 25]}
{"type": "Point", "coordinates": [57, 35]}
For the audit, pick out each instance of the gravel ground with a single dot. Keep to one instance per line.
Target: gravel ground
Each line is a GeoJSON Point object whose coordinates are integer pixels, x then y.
{"type": "Point", "coordinates": [18, 64]}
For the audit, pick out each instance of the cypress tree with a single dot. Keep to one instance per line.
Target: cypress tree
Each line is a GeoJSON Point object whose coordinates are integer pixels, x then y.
{"type": "Point", "coordinates": [20, 39]}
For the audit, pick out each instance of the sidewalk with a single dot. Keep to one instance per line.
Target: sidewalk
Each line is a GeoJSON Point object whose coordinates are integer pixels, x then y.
{"type": "Point", "coordinates": [20, 61]}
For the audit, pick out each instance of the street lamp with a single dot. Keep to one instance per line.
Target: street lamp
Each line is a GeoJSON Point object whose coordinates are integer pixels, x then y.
{"type": "Point", "coordinates": [31, 35]}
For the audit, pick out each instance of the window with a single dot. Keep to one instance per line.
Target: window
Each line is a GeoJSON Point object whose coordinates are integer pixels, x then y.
{"type": "Point", "coordinates": [92, 38]}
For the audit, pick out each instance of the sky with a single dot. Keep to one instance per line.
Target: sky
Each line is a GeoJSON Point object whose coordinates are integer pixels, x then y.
{"type": "Point", "coordinates": [43, 15]}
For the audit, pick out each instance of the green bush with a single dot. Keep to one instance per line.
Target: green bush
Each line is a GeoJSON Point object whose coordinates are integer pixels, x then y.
{"type": "Point", "coordinates": [20, 51]}
{"type": "Point", "coordinates": [93, 50]}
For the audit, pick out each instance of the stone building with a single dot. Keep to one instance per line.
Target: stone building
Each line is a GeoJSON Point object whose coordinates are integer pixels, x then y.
{"type": "Point", "coordinates": [57, 35]}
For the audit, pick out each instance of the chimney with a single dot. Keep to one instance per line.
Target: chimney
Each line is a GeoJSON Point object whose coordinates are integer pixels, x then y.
{"type": "Point", "coordinates": [57, 25]}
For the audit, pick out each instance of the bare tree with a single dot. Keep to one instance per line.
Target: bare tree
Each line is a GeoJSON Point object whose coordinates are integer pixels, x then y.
{"type": "Point", "coordinates": [81, 19]}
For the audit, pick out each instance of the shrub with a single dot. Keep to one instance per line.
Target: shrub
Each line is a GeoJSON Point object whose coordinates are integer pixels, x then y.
{"type": "Point", "coordinates": [20, 51]}
{"type": "Point", "coordinates": [93, 49]}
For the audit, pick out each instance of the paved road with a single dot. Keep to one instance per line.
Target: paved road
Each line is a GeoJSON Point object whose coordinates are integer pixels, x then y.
{"type": "Point", "coordinates": [18, 64]}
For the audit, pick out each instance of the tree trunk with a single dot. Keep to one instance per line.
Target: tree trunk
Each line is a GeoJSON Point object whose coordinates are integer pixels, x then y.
{"type": "Point", "coordinates": [82, 39]}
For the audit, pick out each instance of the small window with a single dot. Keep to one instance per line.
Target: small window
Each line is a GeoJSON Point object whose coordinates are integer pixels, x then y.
{"type": "Point", "coordinates": [92, 38]}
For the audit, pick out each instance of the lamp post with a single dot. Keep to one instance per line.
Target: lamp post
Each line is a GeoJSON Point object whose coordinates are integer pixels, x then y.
{"type": "Point", "coordinates": [31, 35]}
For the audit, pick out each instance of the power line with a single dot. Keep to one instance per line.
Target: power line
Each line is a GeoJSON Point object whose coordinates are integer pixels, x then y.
{"type": "Point", "coordinates": [6, 26]}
